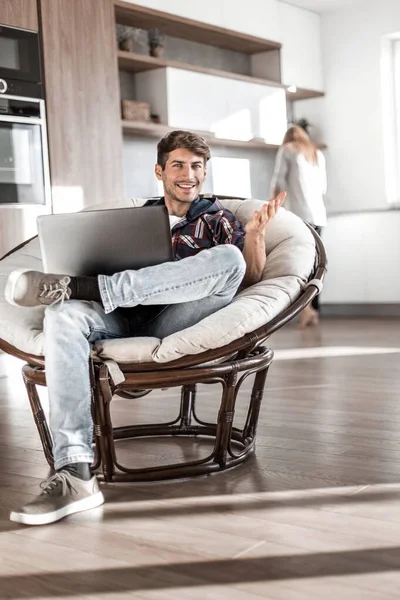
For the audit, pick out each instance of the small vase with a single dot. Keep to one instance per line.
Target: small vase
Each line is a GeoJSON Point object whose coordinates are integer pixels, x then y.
{"type": "Point", "coordinates": [156, 51]}
{"type": "Point", "coordinates": [126, 45]}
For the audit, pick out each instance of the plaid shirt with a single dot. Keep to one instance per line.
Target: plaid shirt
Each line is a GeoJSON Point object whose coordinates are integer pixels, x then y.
{"type": "Point", "coordinates": [206, 224]}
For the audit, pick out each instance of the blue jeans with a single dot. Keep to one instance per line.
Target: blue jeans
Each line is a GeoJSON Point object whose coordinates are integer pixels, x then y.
{"type": "Point", "coordinates": [188, 290]}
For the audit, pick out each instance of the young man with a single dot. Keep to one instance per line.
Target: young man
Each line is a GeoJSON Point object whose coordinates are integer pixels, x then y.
{"type": "Point", "coordinates": [213, 255]}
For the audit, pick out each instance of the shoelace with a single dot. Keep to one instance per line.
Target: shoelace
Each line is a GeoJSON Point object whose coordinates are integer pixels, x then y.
{"type": "Point", "coordinates": [58, 478]}
{"type": "Point", "coordinates": [58, 291]}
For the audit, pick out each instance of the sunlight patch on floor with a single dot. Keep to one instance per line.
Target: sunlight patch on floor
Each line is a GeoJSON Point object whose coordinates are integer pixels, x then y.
{"type": "Point", "coordinates": [330, 352]}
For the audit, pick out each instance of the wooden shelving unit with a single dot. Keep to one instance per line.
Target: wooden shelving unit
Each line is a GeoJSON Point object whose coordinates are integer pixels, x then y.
{"type": "Point", "coordinates": [156, 130]}
{"type": "Point", "coordinates": [303, 94]}
{"type": "Point", "coordinates": [187, 29]}
{"type": "Point", "coordinates": [195, 31]}
{"type": "Point", "coordinates": [173, 25]}
{"type": "Point", "coordinates": [137, 63]}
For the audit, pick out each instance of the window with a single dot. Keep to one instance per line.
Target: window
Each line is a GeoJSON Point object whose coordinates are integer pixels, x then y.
{"type": "Point", "coordinates": [390, 69]}
{"type": "Point", "coordinates": [231, 177]}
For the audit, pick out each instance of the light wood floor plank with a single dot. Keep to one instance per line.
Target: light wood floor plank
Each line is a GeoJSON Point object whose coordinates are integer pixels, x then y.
{"type": "Point", "coordinates": [313, 516]}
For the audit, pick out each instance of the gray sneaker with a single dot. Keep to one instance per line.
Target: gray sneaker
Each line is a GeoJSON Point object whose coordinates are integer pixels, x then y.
{"type": "Point", "coordinates": [33, 288]}
{"type": "Point", "coordinates": [63, 495]}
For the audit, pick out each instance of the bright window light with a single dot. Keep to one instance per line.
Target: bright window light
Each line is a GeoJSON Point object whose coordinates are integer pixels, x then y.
{"type": "Point", "coordinates": [67, 199]}
{"type": "Point", "coordinates": [273, 118]}
{"type": "Point", "coordinates": [390, 78]}
{"type": "Point", "coordinates": [231, 177]}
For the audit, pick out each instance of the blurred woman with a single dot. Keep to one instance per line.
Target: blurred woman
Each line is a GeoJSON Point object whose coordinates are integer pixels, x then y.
{"type": "Point", "coordinates": [300, 171]}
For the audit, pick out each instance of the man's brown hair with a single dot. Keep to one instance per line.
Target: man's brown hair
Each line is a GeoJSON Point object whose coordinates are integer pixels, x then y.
{"type": "Point", "coordinates": [182, 139]}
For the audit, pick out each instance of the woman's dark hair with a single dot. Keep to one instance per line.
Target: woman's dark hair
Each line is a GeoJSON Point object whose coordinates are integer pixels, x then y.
{"type": "Point", "coordinates": [182, 139]}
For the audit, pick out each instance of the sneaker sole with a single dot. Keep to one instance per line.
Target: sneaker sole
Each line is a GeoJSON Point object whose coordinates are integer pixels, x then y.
{"type": "Point", "coordinates": [78, 506]}
{"type": "Point", "coordinates": [10, 285]}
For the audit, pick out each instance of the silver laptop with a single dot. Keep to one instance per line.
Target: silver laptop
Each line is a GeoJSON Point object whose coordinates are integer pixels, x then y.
{"type": "Point", "coordinates": [105, 241]}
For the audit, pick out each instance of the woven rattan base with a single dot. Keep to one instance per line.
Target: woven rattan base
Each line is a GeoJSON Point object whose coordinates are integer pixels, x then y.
{"type": "Point", "coordinates": [231, 446]}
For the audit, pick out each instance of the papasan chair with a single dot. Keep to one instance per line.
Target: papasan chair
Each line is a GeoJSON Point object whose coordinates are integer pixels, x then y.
{"type": "Point", "coordinates": [224, 348]}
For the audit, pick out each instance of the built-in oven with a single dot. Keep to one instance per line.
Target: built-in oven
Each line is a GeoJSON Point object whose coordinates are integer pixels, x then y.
{"type": "Point", "coordinates": [20, 72]}
{"type": "Point", "coordinates": [24, 165]}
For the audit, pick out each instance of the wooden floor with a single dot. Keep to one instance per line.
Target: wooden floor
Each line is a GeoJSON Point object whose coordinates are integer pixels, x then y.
{"type": "Point", "coordinates": [314, 515]}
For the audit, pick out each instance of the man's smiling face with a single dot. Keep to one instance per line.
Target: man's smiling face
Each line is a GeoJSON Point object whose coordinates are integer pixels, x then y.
{"type": "Point", "coordinates": [182, 176]}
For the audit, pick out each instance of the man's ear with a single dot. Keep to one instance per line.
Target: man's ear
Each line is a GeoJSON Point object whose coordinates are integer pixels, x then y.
{"type": "Point", "coordinates": [158, 171]}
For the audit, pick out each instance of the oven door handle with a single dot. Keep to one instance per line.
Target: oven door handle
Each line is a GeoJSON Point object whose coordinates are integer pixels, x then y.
{"type": "Point", "coordinates": [23, 120]}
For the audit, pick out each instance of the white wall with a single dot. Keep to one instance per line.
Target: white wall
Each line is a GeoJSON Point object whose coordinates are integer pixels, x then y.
{"type": "Point", "coordinates": [363, 249]}
{"type": "Point", "coordinates": [254, 17]}
{"type": "Point", "coordinates": [351, 113]}
{"type": "Point", "coordinates": [301, 63]}
{"type": "Point", "coordinates": [208, 11]}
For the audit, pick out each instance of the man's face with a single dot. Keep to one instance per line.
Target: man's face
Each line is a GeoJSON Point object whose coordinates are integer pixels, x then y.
{"type": "Point", "coordinates": [183, 175]}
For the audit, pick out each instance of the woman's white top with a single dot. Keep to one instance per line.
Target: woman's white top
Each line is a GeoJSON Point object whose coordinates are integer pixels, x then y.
{"type": "Point", "coordinates": [304, 182]}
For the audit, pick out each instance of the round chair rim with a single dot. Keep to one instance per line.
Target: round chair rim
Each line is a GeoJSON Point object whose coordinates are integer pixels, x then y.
{"type": "Point", "coordinates": [248, 341]}
{"type": "Point", "coordinates": [240, 358]}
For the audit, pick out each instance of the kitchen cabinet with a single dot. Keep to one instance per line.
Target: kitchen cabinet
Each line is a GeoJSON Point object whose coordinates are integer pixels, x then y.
{"type": "Point", "coordinates": [19, 13]}
{"type": "Point", "coordinates": [83, 107]}
{"type": "Point", "coordinates": [18, 224]}
{"type": "Point", "coordinates": [378, 281]}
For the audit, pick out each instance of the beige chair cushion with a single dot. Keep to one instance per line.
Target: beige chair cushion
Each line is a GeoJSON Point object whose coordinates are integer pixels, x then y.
{"type": "Point", "coordinates": [290, 257]}
{"type": "Point", "coordinates": [21, 327]}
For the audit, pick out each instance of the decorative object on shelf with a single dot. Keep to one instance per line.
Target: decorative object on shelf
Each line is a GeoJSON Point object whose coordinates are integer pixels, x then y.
{"type": "Point", "coordinates": [304, 124]}
{"type": "Point", "coordinates": [155, 39]}
{"type": "Point", "coordinates": [155, 118]}
{"type": "Point", "coordinates": [313, 131]}
{"type": "Point", "coordinates": [135, 111]}
{"type": "Point", "coordinates": [127, 36]}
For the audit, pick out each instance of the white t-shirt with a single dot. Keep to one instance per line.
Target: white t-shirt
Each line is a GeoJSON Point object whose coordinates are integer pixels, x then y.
{"type": "Point", "coordinates": [173, 220]}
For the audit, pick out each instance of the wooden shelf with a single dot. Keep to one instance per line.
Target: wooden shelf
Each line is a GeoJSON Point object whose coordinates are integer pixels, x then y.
{"type": "Point", "coordinates": [188, 29]}
{"type": "Point", "coordinates": [156, 130]}
{"type": "Point", "coordinates": [137, 63]}
{"type": "Point", "coordinates": [303, 94]}
{"type": "Point", "coordinates": [142, 17]}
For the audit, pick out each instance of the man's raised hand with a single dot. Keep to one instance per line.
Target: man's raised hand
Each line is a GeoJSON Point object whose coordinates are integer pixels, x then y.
{"type": "Point", "coordinates": [256, 226]}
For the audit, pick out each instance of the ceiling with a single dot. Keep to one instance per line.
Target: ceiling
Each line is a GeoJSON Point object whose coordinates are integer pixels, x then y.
{"type": "Point", "coordinates": [323, 6]}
